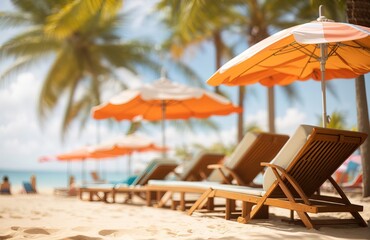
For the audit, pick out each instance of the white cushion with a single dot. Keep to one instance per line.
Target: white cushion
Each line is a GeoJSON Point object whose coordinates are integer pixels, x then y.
{"type": "Point", "coordinates": [240, 189]}
{"type": "Point", "coordinates": [150, 167]}
{"type": "Point", "coordinates": [287, 153]}
{"type": "Point", "coordinates": [196, 184]}
{"type": "Point", "coordinates": [237, 155]}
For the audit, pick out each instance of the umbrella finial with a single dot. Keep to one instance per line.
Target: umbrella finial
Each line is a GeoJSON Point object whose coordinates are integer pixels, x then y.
{"type": "Point", "coordinates": [321, 17]}
{"type": "Point", "coordinates": [321, 11]}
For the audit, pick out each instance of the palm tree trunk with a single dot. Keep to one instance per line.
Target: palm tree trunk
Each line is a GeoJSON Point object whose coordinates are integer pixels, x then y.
{"type": "Point", "coordinates": [240, 120]}
{"type": "Point", "coordinates": [217, 40]}
{"type": "Point", "coordinates": [358, 12]}
{"type": "Point", "coordinates": [271, 109]}
{"type": "Point", "coordinates": [241, 115]}
{"type": "Point", "coordinates": [363, 126]}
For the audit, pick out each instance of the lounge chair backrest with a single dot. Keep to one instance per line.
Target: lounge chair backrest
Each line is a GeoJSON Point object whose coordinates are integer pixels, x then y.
{"type": "Point", "coordinates": [147, 169]}
{"type": "Point", "coordinates": [197, 169]}
{"type": "Point", "coordinates": [264, 149]}
{"type": "Point", "coordinates": [320, 156]}
{"type": "Point", "coordinates": [236, 156]}
{"type": "Point", "coordinates": [157, 169]}
{"type": "Point", "coordinates": [287, 153]}
{"type": "Point", "coordinates": [28, 187]}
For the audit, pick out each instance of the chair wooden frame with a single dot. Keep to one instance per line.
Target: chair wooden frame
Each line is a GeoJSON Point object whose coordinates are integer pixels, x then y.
{"type": "Point", "coordinates": [199, 170]}
{"type": "Point", "coordinates": [295, 187]}
{"type": "Point", "coordinates": [102, 192]}
{"type": "Point", "coordinates": [263, 149]}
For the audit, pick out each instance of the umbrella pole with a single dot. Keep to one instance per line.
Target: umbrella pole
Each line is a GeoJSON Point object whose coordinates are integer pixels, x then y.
{"type": "Point", "coordinates": [129, 165]}
{"type": "Point", "coordinates": [83, 172]}
{"type": "Point", "coordinates": [68, 172]}
{"type": "Point", "coordinates": [323, 83]}
{"type": "Point", "coordinates": [163, 128]}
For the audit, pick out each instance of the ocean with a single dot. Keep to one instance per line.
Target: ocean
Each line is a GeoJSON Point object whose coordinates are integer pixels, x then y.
{"type": "Point", "coordinates": [54, 179]}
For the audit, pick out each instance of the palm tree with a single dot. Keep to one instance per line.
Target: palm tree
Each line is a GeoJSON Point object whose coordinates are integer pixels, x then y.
{"type": "Point", "coordinates": [358, 12]}
{"type": "Point", "coordinates": [194, 21]}
{"type": "Point", "coordinates": [80, 41]}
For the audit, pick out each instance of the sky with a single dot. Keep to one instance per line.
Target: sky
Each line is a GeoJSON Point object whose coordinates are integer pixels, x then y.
{"type": "Point", "coordinates": [23, 140]}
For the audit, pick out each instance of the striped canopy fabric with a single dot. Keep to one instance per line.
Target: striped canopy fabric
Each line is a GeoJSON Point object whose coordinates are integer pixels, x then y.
{"type": "Point", "coordinates": [294, 54]}
{"type": "Point", "coordinates": [148, 102]}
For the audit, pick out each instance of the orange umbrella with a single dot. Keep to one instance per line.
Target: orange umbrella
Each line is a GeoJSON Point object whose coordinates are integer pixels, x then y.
{"type": "Point", "coordinates": [81, 154]}
{"type": "Point", "coordinates": [162, 100]}
{"type": "Point", "coordinates": [319, 50]}
{"type": "Point", "coordinates": [126, 145]}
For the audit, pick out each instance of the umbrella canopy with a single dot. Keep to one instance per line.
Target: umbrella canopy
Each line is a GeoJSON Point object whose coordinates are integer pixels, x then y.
{"type": "Point", "coordinates": [126, 145]}
{"type": "Point", "coordinates": [81, 154]}
{"type": "Point", "coordinates": [162, 100]}
{"type": "Point", "coordinates": [84, 153]}
{"type": "Point", "coordinates": [319, 50]}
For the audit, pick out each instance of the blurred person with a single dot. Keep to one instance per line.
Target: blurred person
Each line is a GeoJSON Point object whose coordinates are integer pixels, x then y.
{"type": "Point", "coordinates": [5, 186]}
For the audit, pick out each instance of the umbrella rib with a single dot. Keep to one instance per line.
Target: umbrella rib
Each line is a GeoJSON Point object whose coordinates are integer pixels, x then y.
{"type": "Point", "coordinates": [267, 57]}
{"type": "Point", "coordinates": [168, 102]}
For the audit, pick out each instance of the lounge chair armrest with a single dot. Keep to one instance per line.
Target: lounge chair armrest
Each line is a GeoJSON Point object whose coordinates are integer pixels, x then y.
{"type": "Point", "coordinates": [215, 166]}
{"type": "Point", "coordinates": [274, 166]}
{"type": "Point", "coordinates": [225, 171]}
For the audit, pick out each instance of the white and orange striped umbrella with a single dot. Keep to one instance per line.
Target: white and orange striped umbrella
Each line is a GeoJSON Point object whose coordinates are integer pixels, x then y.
{"type": "Point", "coordinates": [319, 50]}
{"type": "Point", "coordinates": [164, 99]}
{"type": "Point", "coordinates": [294, 54]}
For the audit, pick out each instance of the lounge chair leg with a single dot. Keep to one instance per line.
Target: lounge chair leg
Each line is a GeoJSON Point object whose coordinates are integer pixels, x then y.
{"type": "Point", "coordinates": [246, 209]}
{"type": "Point", "coordinates": [306, 219]}
{"type": "Point", "coordinates": [361, 222]}
{"type": "Point", "coordinates": [182, 201]}
{"type": "Point", "coordinates": [164, 199]}
{"type": "Point", "coordinates": [148, 198]}
{"type": "Point", "coordinates": [201, 199]}
{"type": "Point", "coordinates": [210, 204]}
{"type": "Point", "coordinates": [228, 209]}
{"type": "Point", "coordinates": [174, 205]}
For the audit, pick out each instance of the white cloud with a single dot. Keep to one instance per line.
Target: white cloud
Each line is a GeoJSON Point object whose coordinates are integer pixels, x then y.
{"type": "Point", "coordinates": [292, 118]}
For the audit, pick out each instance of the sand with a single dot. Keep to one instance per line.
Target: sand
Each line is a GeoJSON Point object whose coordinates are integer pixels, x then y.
{"type": "Point", "coordinates": [45, 216]}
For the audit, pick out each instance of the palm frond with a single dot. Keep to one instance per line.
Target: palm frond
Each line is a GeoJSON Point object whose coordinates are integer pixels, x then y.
{"type": "Point", "coordinates": [30, 43]}
{"type": "Point", "coordinates": [77, 14]}
{"type": "Point", "coordinates": [64, 71]}
{"type": "Point", "coordinates": [11, 20]}
{"type": "Point", "coordinates": [76, 109]}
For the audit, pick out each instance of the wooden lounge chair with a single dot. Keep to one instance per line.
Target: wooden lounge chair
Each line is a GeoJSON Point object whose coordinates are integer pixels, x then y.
{"type": "Point", "coordinates": [292, 179]}
{"type": "Point", "coordinates": [156, 169]}
{"type": "Point", "coordinates": [197, 170]}
{"type": "Point", "coordinates": [96, 178]}
{"type": "Point", "coordinates": [240, 168]}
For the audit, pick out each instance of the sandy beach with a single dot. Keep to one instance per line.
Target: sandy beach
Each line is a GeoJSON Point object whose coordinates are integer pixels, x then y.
{"type": "Point", "coordinates": [45, 216]}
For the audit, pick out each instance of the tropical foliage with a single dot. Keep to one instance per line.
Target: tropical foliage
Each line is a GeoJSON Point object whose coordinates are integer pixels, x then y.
{"type": "Point", "coordinates": [79, 42]}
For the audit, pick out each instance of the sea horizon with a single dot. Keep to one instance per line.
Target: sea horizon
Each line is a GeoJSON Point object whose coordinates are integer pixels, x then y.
{"type": "Point", "coordinates": [56, 178]}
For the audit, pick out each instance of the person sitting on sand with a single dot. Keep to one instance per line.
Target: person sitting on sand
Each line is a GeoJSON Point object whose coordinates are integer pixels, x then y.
{"type": "Point", "coordinates": [72, 191]}
{"type": "Point", "coordinates": [5, 186]}
{"type": "Point", "coordinates": [33, 182]}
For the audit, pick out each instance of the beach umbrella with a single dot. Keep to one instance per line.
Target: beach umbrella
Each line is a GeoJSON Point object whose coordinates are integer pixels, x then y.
{"type": "Point", "coordinates": [162, 100]}
{"type": "Point", "coordinates": [81, 154]}
{"type": "Point", "coordinates": [319, 50]}
{"type": "Point", "coordinates": [126, 145]}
